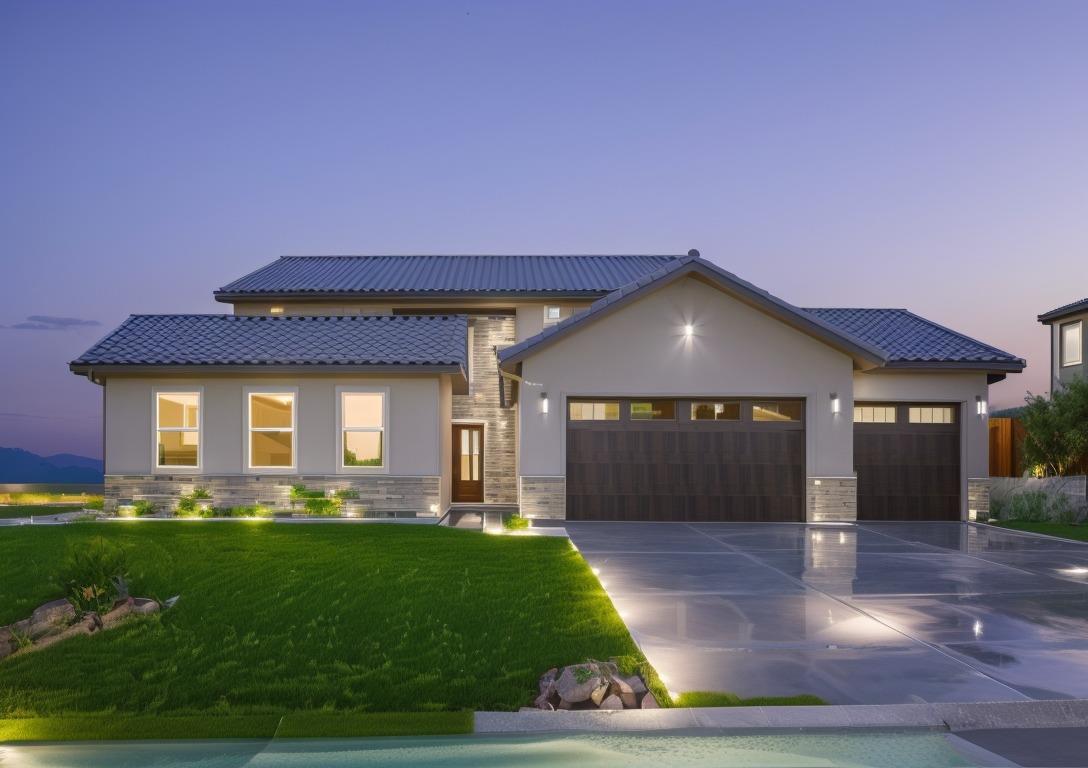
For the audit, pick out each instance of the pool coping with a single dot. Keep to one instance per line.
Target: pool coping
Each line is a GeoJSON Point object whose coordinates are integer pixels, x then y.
{"type": "Point", "coordinates": [949, 717]}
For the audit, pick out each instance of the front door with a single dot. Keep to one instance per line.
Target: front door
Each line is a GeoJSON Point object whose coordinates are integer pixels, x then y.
{"type": "Point", "coordinates": [468, 463]}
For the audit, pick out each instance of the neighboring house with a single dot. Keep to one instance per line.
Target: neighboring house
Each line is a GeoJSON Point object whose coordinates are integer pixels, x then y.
{"type": "Point", "coordinates": [578, 387]}
{"type": "Point", "coordinates": [1068, 343]}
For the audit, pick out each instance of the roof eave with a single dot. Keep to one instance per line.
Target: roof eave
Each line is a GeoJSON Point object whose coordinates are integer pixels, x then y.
{"type": "Point", "coordinates": [292, 296]}
{"type": "Point", "coordinates": [94, 370]}
{"type": "Point", "coordinates": [981, 366]}
{"type": "Point", "coordinates": [1060, 314]}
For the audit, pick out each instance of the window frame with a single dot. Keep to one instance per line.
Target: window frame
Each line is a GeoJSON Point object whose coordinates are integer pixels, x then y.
{"type": "Point", "coordinates": [893, 406]}
{"type": "Point", "coordinates": [676, 410]}
{"type": "Point", "coordinates": [342, 468]}
{"type": "Point", "coordinates": [754, 403]}
{"type": "Point", "coordinates": [693, 404]}
{"type": "Point", "coordinates": [1062, 347]}
{"type": "Point", "coordinates": [618, 402]}
{"type": "Point", "coordinates": [952, 413]}
{"type": "Point", "coordinates": [174, 469]}
{"type": "Point", "coordinates": [558, 314]}
{"type": "Point", "coordinates": [248, 429]}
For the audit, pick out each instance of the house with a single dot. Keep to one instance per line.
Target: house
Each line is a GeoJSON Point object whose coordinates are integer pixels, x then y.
{"type": "Point", "coordinates": [1068, 344]}
{"type": "Point", "coordinates": [577, 387]}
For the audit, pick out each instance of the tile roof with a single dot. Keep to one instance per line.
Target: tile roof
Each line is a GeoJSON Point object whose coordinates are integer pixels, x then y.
{"type": "Point", "coordinates": [403, 275]}
{"type": "Point", "coordinates": [905, 337]}
{"type": "Point", "coordinates": [1069, 309]}
{"type": "Point", "coordinates": [378, 341]}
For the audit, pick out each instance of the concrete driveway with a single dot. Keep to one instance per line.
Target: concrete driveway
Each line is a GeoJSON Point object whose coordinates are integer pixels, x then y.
{"type": "Point", "coordinates": [872, 613]}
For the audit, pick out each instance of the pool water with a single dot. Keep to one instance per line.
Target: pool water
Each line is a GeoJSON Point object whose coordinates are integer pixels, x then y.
{"type": "Point", "coordinates": [812, 750]}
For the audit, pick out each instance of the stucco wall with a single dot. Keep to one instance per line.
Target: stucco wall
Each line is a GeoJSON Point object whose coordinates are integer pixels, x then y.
{"type": "Point", "coordinates": [413, 433]}
{"type": "Point", "coordinates": [735, 350]}
{"type": "Point", "coordinates": [1065, 374]}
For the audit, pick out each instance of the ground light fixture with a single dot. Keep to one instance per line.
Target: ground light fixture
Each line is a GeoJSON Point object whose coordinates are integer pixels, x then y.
{"type": "Point", "coordinates": [544, 402]}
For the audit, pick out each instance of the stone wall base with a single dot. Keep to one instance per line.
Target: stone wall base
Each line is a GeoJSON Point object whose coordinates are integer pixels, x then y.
{"type": "Point", "coordinates": [978, 498]}
{"type": "Point", "coordinates": [544, 497]}
{"type": "Point", "coordinates": [379, 495]}
{"type": "Point", "coordinates": [832, 499]}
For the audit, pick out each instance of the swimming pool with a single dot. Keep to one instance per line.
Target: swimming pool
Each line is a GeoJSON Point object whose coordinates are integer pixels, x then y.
{"type": "Point", "coordinates": [676, 750]}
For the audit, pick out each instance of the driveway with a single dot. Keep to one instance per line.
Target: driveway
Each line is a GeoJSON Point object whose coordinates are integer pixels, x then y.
{"type": "Point", "coordinates": [871, 613]}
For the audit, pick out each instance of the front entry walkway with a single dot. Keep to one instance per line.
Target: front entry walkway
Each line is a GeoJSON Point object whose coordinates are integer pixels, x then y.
{"type": "Point", "coordinates": [876, 613]}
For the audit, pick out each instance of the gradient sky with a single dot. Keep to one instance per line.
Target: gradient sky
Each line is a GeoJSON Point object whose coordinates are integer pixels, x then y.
{"type": "Point", "coordinates": [926, 155]}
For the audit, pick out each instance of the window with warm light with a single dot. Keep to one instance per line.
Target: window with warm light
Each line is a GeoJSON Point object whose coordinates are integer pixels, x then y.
{"type": "Point", "coordinates": [177, 429]}
{"type": "Point", "coordinates": [362, 429]}
{"type": "Point", "coordinates": [594, 411]}
{"type": "Point", "coordinates": [271, 430]}
{"type": "Point", "coordinates": [653, 410]}
{"type": "Point", "coordinates": [926, 414]}
{"type": "Point", "coordinates": [276, 310]}
{"type": "Point", "coordinates": [552, 314]}
{"type": "Point", "coordinates": [779, 410]}
{"type": "Point", "coordinates": [728, 411]}
{"type": "Point", "coordinates": [1072, 343]}
{"type": "Point", "coordinates": [874, 414]}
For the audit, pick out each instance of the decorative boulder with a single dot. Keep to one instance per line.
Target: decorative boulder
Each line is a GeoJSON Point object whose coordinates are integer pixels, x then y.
{"type": "Point", "coordinates": [49, 617]}
{"type": "Point", "coordinates": [636, 684]}
{"type": "Point", "coordinates": [599, 693]}
{"type": "Point", "coordinates": [572, 691]}
{"type": "Point", "coordinates": [612, 702]}
{"type": "Point", "coordinates": [625, 692]}
{"type": "Point", "coordinates": [144, 606]}
{"type": "Point", "coordinates": [649, 702]}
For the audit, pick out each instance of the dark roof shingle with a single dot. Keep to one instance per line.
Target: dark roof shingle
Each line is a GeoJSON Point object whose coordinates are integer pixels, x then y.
{"type": "Point", "coordinates": [389, 340]}
{"type": "Point", "coordinates": [1072, 308]}
{"type": "Point", "coordinates": [906, 337]}
{"type": "Point", "coordinates": [406, 275]}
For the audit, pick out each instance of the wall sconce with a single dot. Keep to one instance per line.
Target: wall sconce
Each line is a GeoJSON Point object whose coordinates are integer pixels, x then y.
{"type": "Point", "coordinates": [980, 406]}
{"type": "Point", "coordinates": [689, 329]}
{"type": "Point", "coordinates": [544, 402]}
{"type": "Point", "coordinates": [835, 403]}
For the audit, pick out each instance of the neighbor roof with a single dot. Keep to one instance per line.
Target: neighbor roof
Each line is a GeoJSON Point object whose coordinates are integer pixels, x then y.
{"type": "Point", "coordinates": [315, 276]}
{"type": "Point", "coordinates": [911, 341]}
{"type": "Point", "coordinates": [436, 342]}
{"type": "Point", "coordinates": [1069, 309]}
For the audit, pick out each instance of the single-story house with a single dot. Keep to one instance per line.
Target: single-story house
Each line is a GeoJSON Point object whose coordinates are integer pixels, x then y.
{"type": "Point", "coordinates": [1068, 343]}
{"type": "Point", "coordinates": [576, 387]}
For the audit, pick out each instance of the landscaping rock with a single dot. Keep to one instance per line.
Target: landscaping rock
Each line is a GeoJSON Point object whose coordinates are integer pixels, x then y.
{"type": "Point", "coordinates": [8, 645]}
{"type": "Point", "coordinates": [568, 687]}
{"type": "Point", "coordinates": [53, 615]}
{"type": "Point", "coordinates": [84, 626]}
{"type": "Point", "coordinates": [599, 693]}
{"type": "Point", "coordinates": [120, 611]}
{"type": "Point", "coordinates": [543, 701]}
{"type": "Point", "coordinates": [144, 606]}
{"type": "Point", "coordinates": [612, 702]}
{"type": "Point", "coordinates": [636, 684]}
{"type": "Point", "coordinates": [649, 702]}
{"type": "Point", "coordinates": [625, 692]}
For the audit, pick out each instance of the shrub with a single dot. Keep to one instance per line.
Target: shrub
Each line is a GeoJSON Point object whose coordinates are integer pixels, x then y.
{"type": "Point", "coordinates": [95, 575]}
{"type": "Point", "coordinates": [323, 506]}
{"type": "Point", "coordinates": [317, 503]}
{"type": "Point", "coordinates": [143, 507]}
{"type": "Point", "coordinates": [346, 493]}
{"type": "Point", "coordinates": [188, 505]}
{"type": "Point", "coordinates": [1034, 506]}
{"type": "Point", "coordinates": [515, 523]}
{"type": "Point", "coordinates": [1056, 430]}
{"type": "Point", "coordinates": [95, 502]}
{"type": "Point", "coordinates": [302, 493]}
{"type": "Point", "coordinates": [252, 510]}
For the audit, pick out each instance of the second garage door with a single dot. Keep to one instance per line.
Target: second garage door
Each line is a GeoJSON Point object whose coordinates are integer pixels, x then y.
{"type": "Point", "coordinates": [907, 457]}
{"type": "Point", "coordinates": [728, 460]}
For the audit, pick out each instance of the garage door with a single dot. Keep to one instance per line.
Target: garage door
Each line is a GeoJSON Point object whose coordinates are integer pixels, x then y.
{"type": "Point", "coordinates": [907, 456]}
{"type": "Point", "coordinates": [686, 460]}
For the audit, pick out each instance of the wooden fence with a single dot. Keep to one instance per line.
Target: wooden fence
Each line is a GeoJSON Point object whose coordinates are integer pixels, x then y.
{"type": "Point", "coordinates": [1006, 447]}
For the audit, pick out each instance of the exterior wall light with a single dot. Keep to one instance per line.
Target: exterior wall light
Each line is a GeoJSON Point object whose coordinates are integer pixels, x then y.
{"type": "Point", "coordinates": [980, 405]}
{"type": "Point", "coordinates": [434, 509]}
{"type": "Point", "coordinates": [689, 329]}
{"type": "Point", "coordinates": [835, 403]}
{"type": "Point", "coordinates": [544, 402]}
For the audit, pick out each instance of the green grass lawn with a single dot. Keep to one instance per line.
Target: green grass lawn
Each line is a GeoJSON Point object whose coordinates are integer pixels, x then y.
{"type": "Point", "coordinates": [1078, 532]}
{"type": "Point", "coordinates": [276, 619]}
{"type": "Point", "coordinates": [8, 511]}
{"type": "Point", "coordinates": [718, 699]}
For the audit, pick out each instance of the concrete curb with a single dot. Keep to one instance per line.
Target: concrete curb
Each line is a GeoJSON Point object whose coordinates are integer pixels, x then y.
{"type": "Point", "coordinates": [951, 717]}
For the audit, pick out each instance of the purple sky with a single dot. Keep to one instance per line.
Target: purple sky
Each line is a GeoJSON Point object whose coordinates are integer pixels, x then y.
{"type": "Point", "coordinates": [926, 155]}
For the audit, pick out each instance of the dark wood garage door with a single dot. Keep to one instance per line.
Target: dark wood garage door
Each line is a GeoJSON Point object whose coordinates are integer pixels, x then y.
{"type": "Point", "coordinates": [686, 460]}
{"type": "Point", "coordinates": [907, 456]}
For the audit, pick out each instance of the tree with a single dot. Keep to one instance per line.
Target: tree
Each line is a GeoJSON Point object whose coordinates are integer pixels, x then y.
{"type": "Point", "coordinates": [1056, 430]}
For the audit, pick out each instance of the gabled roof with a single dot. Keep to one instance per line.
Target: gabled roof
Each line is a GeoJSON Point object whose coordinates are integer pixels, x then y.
{"type": "Point", "coordinates": [865, 354]}
{"type": "Point", "coordinates": [401, 276]}
{"type": "Point", "coordinates": [1069, 309]}
{"type": "Point", "coordinates": [908, 340]}
{"type": "Point", "coordinates": [436, 343]}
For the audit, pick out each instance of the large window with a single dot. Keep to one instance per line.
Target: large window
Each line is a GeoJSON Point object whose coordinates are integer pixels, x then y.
{"type": "Point", "coordinates": [727, 411]}
{"type": "Point", "coordinates": [362, 429]}
{"type": "Point", "coordinates": [927, 414]}
{"type": "Point", "coordinates": [609, 411]}
{"type": "Point", "coordinates": [874, 414]}
{"type": "Point", "coordinates": [271, 430]}
{"type": "Point", "coordinates": [1072, 342]}
{"type": "Point", "coordinates": [778, 410]}
{"type": "Point", "coordinates": [658, 410]}
{"type": "Point", "coordinates": [177, 429]}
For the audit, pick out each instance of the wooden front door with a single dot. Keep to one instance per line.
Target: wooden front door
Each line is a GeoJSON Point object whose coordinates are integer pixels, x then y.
{"type": "Point", "coordinates": [468, 462]}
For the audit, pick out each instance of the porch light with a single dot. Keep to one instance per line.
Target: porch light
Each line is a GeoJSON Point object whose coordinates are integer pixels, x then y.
{"type": "Point", "coordinates": [434, 509]}
{"type": "Point", "coordinates": [980, 405]}
{"type": "Point", "coordinates": [835, 403]}
{"type": "Point", "coordinates": [689, 329]}
{"type": "Point", "coordinates": [544, 402]}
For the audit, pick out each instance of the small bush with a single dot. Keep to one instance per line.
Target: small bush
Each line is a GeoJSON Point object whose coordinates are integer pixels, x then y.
{"type": "Point", "coordinates": [94, 576]}
{"type": "Point", "coordinates": [323, 506]}
{"type": "Point", "coordinates": [252, 510]}
{"type": "Point", "coordinates": [95, 502]}
{"type": "Point", "coordinates": [346, 493]}
{"type": "Point", "coordinates": [1034, 506]}
{"type": "Point", "coordinates": [189, 506]}
{"type": "Point", "coordinates": [515, 523]}
{"type": "Point", "coordinates": [302, 493]}
{"type": "Point", "coordinates": [143, 508]}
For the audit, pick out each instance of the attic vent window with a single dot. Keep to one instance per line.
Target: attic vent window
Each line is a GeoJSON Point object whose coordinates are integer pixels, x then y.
{"type": "Point", "coordinates": [276, 310]}
{"type": "Point", "coordinates": [551, 315]}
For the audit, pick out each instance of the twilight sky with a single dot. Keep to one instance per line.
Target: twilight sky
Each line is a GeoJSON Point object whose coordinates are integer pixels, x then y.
{"type": "Point", "coordinates": [926, 155]}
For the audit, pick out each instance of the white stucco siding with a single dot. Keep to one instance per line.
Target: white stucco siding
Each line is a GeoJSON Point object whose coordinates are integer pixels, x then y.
{"type": "Point", "coordinates": [960, 388]}
{"type": "Point", "coordinates": [412, 438]}
{"type": "Point", "coordinates": [641, 350]}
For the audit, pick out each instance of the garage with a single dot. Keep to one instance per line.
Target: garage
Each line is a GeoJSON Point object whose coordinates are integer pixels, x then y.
{"type": "Point", "coordinates": [907, 458]}
{"type": "Point", "coordinates": [685, 459]}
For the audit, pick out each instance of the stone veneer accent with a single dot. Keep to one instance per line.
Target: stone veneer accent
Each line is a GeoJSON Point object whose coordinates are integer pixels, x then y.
{"type": "Point", "coordinates": [978, 498]}
{"type": "Point", "coordinates": [832, 499]}
{"type": "Point", "coordinates": [489, 334]}
{"type": "Point", "coordinates": [379, 495]}
{"type": "Point", "coordinates": [544, 497]}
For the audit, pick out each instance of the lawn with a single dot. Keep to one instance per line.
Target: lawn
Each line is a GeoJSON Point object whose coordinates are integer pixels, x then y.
{"type": "Point", "coordinates": [1078, 532]}
{"type": "Point", "coordinates": [276, 619]}
{"type": "Point", "coordinates": [8, 511]}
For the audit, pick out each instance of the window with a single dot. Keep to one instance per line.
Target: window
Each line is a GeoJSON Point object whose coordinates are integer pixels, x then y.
{"type": "Point", "coordinates": [653, 409]}
{"type": "Point", "coordinates": [362, 429]}
{"type": "Point", "coordinates": [780, 410]}
{"type": "Point", "coordinates": [177, 429]}
{"type": "Point", "coordinates": [276, 310]}
{"type": "Point", "coordinates": [551, 315]}
{"type": "Point", "coordinates": [715, 411]}
{"type": "Point", "coordinates": [926, 414]}
{"type": "Point", "coordinates": [594, 411]}
{"type": "Point", "coordinates": [271, 430]}
{"type": "Point", "coordinates": [874, 414]}
{"type": "Point", "coordinates": [1071, 343]}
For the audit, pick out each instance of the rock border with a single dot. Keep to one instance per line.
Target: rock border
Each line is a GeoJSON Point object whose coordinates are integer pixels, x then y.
{"type": "Point", "coordinates": [57, 620]}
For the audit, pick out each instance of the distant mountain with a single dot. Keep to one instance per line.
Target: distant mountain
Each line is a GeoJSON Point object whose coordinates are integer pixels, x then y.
{"type": "Point", "coordinates": [19, 466]}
